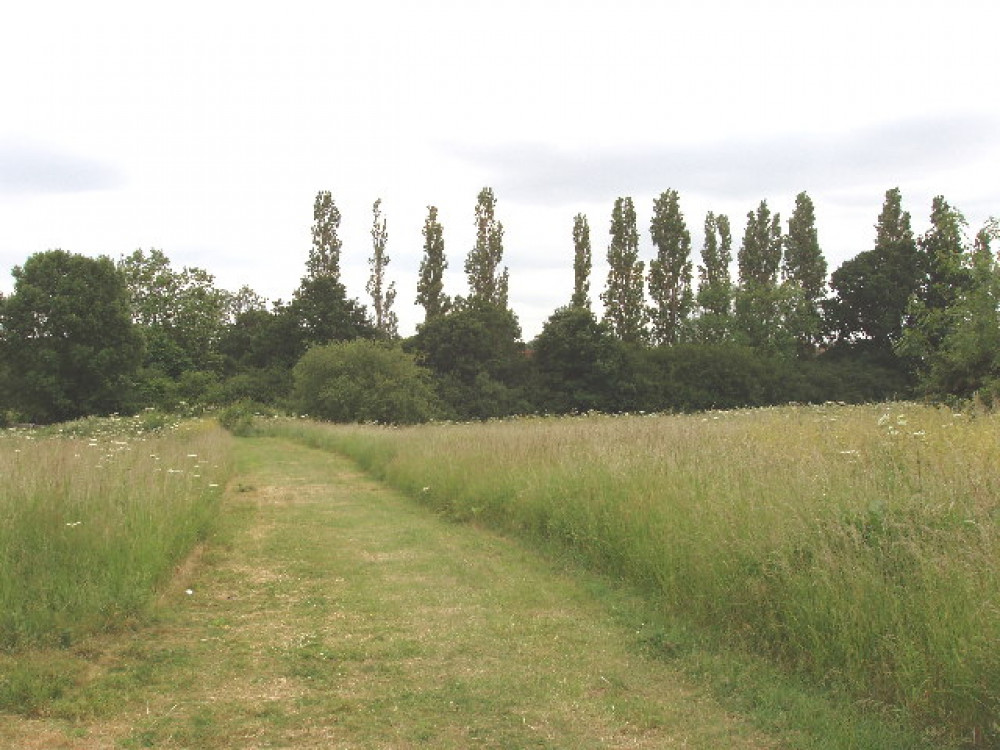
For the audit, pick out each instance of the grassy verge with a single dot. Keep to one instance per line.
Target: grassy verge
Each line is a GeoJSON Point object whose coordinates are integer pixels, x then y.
{"type": "Point", "coordinates": [856, 546]}
{"type": "Point", "coordinates": [93, 516]}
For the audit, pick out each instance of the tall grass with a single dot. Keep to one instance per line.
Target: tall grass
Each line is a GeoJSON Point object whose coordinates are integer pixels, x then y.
{"type": "Point", "coordinates": [856, 545]}
{"type": "Point", "coordinates": [95, 514]}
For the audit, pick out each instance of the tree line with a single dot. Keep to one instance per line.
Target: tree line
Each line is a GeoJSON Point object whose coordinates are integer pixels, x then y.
{"type": "Point", "coordinates": [912, 316]}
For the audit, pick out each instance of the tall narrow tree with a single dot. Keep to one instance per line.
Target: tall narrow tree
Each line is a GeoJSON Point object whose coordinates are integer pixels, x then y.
{"type": "Point", "coordinates": [582, 261]}
{"type": "Point", "coordinates": [487, 283]}
{"type": "Point", "coordinates": [759, 303]}
{"type": "Point", "coordinates": [715, 285]}
{"type": "Point", "coordinates": [760, 254]}
{"type": "Point", "coordinates": [430, 286]}
{"type": "Point", "coordinates": [804, 274]}
{"type": "Point", "coordinates": [624, 306]}
{"type": "Point", "coordinates": [670, 271]}
{"type": "Point", "coordinates": [324, 257]}
{"type": "Point", "coordinates": [320, 306]}
{"type": "Point", "coordinates": [383, 295]}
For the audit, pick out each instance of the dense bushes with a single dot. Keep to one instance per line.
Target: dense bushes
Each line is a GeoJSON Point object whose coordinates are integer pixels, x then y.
{"type": "Point", "coordinates": [363, 381]}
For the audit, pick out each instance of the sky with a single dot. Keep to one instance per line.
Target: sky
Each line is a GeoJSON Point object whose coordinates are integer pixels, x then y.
{"type": "Point", "coordinates": [205, 129]}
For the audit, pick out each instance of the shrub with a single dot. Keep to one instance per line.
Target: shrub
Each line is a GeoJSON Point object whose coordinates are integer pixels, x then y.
{"type": "Point", "coordinates": [363, 381]}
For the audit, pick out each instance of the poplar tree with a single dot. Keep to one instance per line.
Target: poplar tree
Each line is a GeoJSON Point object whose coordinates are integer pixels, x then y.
{"type": "Point", "coordinates": [324, 257]}
{"type": "Point", "coordinates": [759, 301]}
{"type": "Point", "coordinates": [320, 306]}
{"type": "Point", "coordinates": [804, 274]}
{"type": "Point", "coordinates": [430, 286]}
{"type": "Point", "coordinates": [760, 254]}
{"type": "Point", "coordinates": [715, 285]}
{"type": "Point", "coordinates": [582, 262]}
{"type": "Point", "coordinates": [383, 295]}
{"type": "Point", "coordinates": [624, 308]}
{"type": "Point", "coordinates": [482, 266]}
{"type": "Point", "coordinates": [670, 270]}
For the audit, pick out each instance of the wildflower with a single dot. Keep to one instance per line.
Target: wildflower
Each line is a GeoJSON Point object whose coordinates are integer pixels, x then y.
{"type": "Point", "coordinates": [73, 524]}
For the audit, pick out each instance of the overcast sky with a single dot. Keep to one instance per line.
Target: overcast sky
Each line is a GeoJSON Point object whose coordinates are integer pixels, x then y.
{"type": "Point", "coordinates": [206, 128]}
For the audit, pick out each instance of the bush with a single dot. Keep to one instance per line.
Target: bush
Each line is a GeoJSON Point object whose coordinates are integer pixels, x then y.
{"type": "Point", "coordinates": [239, 418]}
{"type": "Point", "coordinates": [363, 381]}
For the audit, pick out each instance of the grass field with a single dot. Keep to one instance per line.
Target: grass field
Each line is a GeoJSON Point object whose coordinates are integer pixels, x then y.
{"type": "Point", "coordinates": [94, 515]}
{"type": "Point", "coordinates": [329, 611]}
{"type": "Point", "coordinates": [856, 546]}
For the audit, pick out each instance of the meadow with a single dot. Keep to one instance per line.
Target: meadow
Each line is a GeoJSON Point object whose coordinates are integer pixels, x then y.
{"type": "Point", "coordinates": [856, 546]}
{"type": "Point", "coordinates": [94, 516]}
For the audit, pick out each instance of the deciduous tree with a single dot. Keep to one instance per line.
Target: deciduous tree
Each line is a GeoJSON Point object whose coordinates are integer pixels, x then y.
{"type": "Point", "coordinates": [624, 303]}
{"type": "Point", "coordinates": [324, 257]}
{"type": "Point", "coordinates": [487, 283]}
{"type": "Point", "coordinates": [430, 287]}
{"type": "Point", "coordinates": [670, 271]}
{"type": "Point", "coordinates": [383, 295]}
{"type": "Point", "coordinates": [67, 335]}
{"type": "Point", "coordinates": [582, 262]}
{"type": "Point", "coordinates": [804, 269]}
{"type": "Point", "coordinates": [715, 285]}
{"type": "Point", "coordinates": [761, 305]}
{"type": "Point", "coordinates": [872, 289]}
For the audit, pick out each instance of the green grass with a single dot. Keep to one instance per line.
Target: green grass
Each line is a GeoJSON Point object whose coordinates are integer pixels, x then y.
{"type": "Point", "coordinates": [93, 517]}
{"type": "Point", "coordinates": [854, 546]}
{"type": "Point", "coordinates": [340, 614]}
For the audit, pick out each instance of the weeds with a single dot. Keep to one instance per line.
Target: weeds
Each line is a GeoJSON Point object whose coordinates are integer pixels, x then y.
{"type": "Point", "coordinates": [94, 515]}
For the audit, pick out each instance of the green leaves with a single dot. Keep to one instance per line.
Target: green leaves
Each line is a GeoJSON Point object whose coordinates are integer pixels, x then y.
{"type": "Point", "coordinates": [624, 304]}
{"type": "Point", "coordinates": [68, 337]}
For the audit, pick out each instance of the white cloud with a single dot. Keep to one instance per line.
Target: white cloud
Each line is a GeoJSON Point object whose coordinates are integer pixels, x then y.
{"type": "Point", "coordinates": [205, 129]}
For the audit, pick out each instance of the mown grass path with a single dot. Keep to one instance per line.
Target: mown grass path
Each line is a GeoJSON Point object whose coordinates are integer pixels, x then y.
{"type": "Point", "coordinates": [338, 614]}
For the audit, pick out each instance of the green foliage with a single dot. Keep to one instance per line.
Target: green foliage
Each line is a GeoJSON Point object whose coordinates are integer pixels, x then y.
{"type": "Point", "coordinates": [382, 294]}
{"type": "Point", "coordinates": [624, 306]}
{"type": "Point", "coordinates": [324, 257]}
{"type": "Point", "coordinates": [181, 313]}
{"type": "Point", "coordinates": [582, 261]}
{"type": "Point", "coordinates": [578, 363]}
{"type": "Point", "coordinates": [760, 253]}
{"type": "Point", "coordinates": [363, 381]}
{"type": "Point", "coordinates": [872, 290]}
{"type": "Point", "coordinates": [670, 271]}
{"type": "Point", "coordinates": [944, 287]}
{"type": "Point", "coordinates": [760, 304]}
{"type": "Point", "coordinates": [239, 418]}
{"type": "Point", "coordinates": [482, 265]}
{"type": "Point", "coordinates": [68, 338]}
{"type": "Point", "coordinates": [478, 360]}
{"type": "Point", "coordinates": [966, 361]}
{"type": "Point", "coordinates": [714, 323]}
{"type": "Point", "coordinates": [804, 269]}
{"type": "Point", "coordinates": [430, 286]}
{"type": "Point", "coordinates": [323, 313]}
